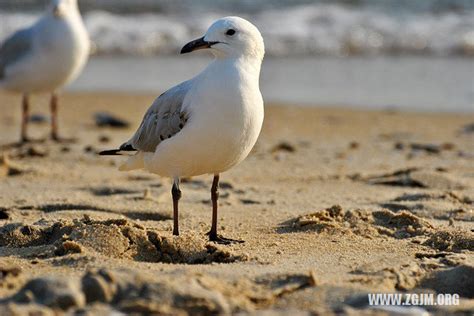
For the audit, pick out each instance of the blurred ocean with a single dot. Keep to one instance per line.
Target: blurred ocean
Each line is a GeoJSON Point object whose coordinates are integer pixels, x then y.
{"type": "Point", "coordinates": [409, 83]}
{"type": "Point", "coordinates": [407, 54]}
{"type": "Point", "coordinates": [290, 27]}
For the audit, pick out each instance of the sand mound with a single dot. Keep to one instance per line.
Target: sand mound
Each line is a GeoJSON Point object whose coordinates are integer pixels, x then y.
{"type": "Point", "coordinates": [451, 240]}
{"type": "Point", "coordinates": [9, 169]}
{"type": "Point", "coordinates": [413, 178]}
{"type": "Point", "coordinates": [362, 222]}
{"type": "Point", "coordinates": [454, 280]}
{"type": "Point", "coordinates": [19, 236]}
{"type": "Point", "coordinates": [188, 249]}
{"type": "Point", "coordinates": [53, 292]}
{"type": "Point", "coordinates": [398, 225]}
{"type": "Point", "coordinates": [117, 238]}
{"type": "Point", "coordinates": [134, 293]}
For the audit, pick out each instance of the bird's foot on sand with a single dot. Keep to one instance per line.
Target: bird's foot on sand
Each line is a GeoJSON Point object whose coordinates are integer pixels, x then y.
{"type": "Point", "coordinates": [29, 140]}
{"type": "Point", "coordinates": [218, 239]}
{"type": "Point", "coordinates": [23, 142]}
{"type": "Point", "coordinates": [62, 140]}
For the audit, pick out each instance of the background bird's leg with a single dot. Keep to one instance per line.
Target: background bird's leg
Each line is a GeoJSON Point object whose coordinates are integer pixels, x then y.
{"type": "Point", "coordinates": [54, 116]}
{"type": "Point", "coordinates": [25, 117]}
{"type": "Point", "coordinates": [176, 193]}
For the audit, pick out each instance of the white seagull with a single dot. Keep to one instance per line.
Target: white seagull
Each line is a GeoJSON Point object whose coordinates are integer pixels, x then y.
{"type": "Point", "coordinates": [208, 124]}
{"type": "Point", "coordinates": [45, 57]}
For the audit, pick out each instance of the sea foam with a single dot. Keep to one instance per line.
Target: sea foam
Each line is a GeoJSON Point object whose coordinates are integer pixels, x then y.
{"type": "Point", "coordinates": [303, 30]}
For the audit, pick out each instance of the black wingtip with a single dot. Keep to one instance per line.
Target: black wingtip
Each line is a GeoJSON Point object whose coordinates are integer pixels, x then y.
{"type": "Point", "coordinates": [112, 152]}
{"type": "Point", "coordinates": [127, 147]}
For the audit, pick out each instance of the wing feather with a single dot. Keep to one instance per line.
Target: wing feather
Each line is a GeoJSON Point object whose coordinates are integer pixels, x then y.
{"type": "Point", "coordinates": [14, 48]}
{"type": "Point", "coordinates": [164, 119]}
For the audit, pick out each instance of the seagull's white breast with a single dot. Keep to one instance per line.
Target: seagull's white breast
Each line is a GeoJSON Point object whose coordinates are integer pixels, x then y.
{"type": "Point", "coordinates": [226, 113]}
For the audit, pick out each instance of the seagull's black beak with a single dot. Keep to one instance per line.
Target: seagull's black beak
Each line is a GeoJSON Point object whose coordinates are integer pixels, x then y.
{"type": "Point", "coordinates": [197, 44]}
{"type": "Point", "coordinates": [58, 11]}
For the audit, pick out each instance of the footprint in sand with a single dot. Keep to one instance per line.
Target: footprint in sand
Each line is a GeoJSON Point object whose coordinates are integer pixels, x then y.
{"type": "Point", "coordinates": [445, 206]}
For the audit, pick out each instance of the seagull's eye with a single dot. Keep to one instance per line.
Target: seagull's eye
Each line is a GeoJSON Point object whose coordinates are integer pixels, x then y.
{"type": "Point", "coordinates": [230, 32]}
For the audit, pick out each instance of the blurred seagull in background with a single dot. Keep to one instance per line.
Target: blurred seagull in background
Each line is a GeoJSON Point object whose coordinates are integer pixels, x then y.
{"type": "Point", "coordinates": [45, 57]}
{"type": "Point", "coordinates": [208, 124]}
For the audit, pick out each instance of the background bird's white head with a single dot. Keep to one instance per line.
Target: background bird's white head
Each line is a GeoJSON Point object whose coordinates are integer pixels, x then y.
{"type": "Point", "coordinates": [230, 37]}
{"type": "Point", "coordinates": [62, 8]}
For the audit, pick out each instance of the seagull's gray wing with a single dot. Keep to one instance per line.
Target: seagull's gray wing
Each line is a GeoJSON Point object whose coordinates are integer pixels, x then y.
{"type": "Point", "coordinates": [164, 119]}
{"type": "Point", "coordinates": [14, 48]}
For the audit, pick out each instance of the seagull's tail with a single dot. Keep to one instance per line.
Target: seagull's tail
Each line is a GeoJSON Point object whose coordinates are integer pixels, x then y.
{"type": "Point", "coordinates": [133, 162]}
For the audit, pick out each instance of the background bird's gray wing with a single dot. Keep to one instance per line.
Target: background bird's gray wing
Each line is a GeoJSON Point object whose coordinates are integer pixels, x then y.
{"type": "Point", "coordinates": [14, 48]}
{"type": "Point", "coordinates": [163, 120]}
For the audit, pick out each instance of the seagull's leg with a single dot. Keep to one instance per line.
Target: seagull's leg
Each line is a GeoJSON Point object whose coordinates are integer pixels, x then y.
{"type": "Point", "coordinates": [54, 105]}
{"type": "Point", "coordinates": [214, 198]}
{"type": "Point", "coordinates": [176, 193]}
{"type": "Point", "coordinates": [54, 117]}
{"type": "Point", "coordinates": [25, 117]}
{"type": "Point", "coordinates": [213, 236]}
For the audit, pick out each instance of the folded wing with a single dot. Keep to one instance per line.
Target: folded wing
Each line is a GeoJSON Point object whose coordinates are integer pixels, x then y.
{"type": "Point", "coordinates": [164, 119]}
{"type": "Point", "coordinates": [15, 48]}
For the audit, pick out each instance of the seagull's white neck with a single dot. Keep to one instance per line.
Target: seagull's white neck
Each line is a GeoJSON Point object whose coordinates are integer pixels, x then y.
{"type": "Point", "coordinates": [72, 13]}
{"type": "Point", "coordinates": [249, 65]}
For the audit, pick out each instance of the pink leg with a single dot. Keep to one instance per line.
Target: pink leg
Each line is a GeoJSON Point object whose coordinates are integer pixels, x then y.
{"type": "Point", "coordinates": [25, 117]}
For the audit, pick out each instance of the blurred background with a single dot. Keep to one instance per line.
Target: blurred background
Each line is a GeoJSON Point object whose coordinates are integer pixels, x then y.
{"type": "Point", "coordinates": [385, 54]}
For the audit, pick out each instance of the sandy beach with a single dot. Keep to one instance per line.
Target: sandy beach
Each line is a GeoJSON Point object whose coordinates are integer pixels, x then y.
{"type": "Point", "coordinates": [332, 204]}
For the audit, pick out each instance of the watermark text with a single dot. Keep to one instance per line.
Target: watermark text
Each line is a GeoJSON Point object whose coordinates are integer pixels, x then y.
{"type": "Point", "coordinates": [413, 299]}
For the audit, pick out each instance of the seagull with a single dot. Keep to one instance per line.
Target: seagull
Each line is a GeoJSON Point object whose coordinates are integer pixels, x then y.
{"type": "Point", "coordinates": [44, 57]}
{"type": "Point", "coordinates": [208, 124]}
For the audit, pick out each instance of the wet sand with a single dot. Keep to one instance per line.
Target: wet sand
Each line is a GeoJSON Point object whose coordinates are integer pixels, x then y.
{"type": "Point", "coordinates": [332, 204]}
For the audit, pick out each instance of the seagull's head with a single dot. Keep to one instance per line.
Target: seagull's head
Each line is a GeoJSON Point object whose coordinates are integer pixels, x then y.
{"type": "Point", "coordinates": [230, 37]}
{"type": "Point", "coordinates": [61, 8]}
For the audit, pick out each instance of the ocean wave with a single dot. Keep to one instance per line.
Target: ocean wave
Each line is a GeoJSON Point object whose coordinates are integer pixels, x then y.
{"type": "Point", "coordinates": [312, 29]}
